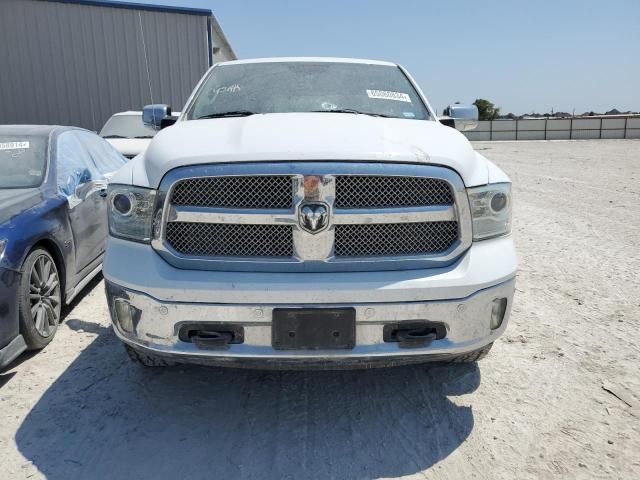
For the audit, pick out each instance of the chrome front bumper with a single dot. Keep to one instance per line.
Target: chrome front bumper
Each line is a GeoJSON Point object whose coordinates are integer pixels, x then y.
{"type": "Point", "coordinates": [155, 324]}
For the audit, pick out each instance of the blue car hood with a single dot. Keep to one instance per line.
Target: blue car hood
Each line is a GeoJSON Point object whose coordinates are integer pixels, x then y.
{"type": "Point", "coordinates": [16, 201]}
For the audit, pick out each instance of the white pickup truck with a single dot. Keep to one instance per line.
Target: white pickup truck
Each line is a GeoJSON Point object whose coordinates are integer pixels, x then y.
{"type": "Point", "coordinates": [309, 212]}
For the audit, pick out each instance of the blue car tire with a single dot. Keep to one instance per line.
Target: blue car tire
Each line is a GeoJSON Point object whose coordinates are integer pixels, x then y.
{"type": "Point", "coordinates": [40, 299]}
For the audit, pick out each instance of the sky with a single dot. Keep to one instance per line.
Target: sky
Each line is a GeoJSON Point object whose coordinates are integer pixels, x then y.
{"type": "Point", "coordinates": [523, 56]}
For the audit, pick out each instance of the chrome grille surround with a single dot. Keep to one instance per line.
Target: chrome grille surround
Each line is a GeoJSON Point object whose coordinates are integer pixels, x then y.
{"type": "Point", "coordinates": [324, 251]}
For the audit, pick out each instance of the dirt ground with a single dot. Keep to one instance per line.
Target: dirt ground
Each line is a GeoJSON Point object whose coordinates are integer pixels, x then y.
{"type": "Point", "coordinates": [558, 396]}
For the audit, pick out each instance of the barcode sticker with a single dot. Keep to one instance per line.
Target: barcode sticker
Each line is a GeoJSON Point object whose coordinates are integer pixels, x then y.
{"type": "Point", "coordinates": [14, 145]}
{"type": "Point", "coordinates": [386, 95]}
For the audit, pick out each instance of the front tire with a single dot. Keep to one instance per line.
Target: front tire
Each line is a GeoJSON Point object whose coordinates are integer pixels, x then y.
{"type": "Point", "coordinates": [145, 359]}
{"type": "Point", "coordinates": [39, 300]}
{"type": "Point", "coordinates": [474, 356]}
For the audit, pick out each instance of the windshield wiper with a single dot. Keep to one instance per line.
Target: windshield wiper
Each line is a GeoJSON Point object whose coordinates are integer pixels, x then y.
{"type": "Point", "coordinates": [114, 136]}
{"type": "Point", "coordinates": [143, 136]}
{"type": "Point", "coordinates": [354, 111]}
{"type": "Point", "coordinates": [233, 113]}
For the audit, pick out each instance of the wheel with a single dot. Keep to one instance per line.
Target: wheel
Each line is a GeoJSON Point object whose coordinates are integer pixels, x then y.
{"type": "Point", "coordinates": [473, 356]}
{"type": "Point", "coordinates": [147, 360]}
{"type": "Point", "coordinates": [39, 299]}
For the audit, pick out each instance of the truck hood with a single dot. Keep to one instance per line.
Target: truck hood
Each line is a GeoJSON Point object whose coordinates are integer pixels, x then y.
{"type": "Point", "coordinates": [305, 137]}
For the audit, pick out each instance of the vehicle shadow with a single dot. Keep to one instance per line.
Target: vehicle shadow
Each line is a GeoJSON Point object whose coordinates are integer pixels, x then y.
{"type": "Point", "coordinates": [106, 417]}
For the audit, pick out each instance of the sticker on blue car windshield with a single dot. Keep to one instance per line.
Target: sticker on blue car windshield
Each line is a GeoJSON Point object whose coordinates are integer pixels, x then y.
{"type": "Point", "coordinates": [14, 145]}
{"type": "Point", "coordinates": [387, 95]}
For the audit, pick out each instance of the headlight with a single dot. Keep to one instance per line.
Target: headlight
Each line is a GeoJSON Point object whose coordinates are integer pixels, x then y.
{"type": "Point", "coordinates": [490, 210]}
{"type": "Point", "coordinates": [131, 212]}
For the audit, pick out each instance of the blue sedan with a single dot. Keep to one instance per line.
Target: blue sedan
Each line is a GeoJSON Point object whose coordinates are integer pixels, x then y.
{"type": "Point", "coordinates": [53, 227]}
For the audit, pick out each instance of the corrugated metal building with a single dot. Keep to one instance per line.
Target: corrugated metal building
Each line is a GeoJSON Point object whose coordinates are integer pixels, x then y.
{"type": "Point", "coordinates": [76, 62]}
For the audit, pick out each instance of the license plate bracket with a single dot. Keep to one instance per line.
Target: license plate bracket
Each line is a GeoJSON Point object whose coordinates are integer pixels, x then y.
{"type": "Point", "coordinates": [313, 328]}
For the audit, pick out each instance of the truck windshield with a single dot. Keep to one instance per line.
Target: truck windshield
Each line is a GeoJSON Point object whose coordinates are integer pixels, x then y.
{"type": "Point", "coordinates": [23, 161]}
{"type": "Point", "coordinates": [280, 87]}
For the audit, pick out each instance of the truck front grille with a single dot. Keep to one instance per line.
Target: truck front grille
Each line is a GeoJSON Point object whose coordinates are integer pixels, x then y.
{"type": "Point", "coordinates": [261, 191]}
{"type": "Point", "coordinates": [251, 217]}
{"type": "Point", "coordinates": [222, 239]}
{"type": "Point", "coordinates": [376, 191]}
{"type": "Point", "coordinates": [369, 240]}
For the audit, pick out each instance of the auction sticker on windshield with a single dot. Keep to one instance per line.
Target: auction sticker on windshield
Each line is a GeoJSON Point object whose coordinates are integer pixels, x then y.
{"type": "Point", "coordinates": [386, 95]}
{"type": "Point", "coordinates": [14, 145]}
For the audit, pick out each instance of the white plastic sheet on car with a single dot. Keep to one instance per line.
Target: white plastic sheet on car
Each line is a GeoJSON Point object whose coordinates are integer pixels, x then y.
{"type": "Point", "coordinates": [84, 157]}
{"type": "Point", "coordinates": [72, 164]}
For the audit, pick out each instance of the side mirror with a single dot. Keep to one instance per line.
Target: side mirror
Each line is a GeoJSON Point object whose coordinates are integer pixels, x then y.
{"type": "Point", "coordinates": [82, 191]}
{"type": "Point", "coordinates": [83, 186]}
{"type": "Point", "coordinates": [461, 117]}
{"type": "Point", "coordinates": [84, 176]}
{"type": "Point", "coordinates": [168, 121]}
{"type": "Point", "coordinates": [152, 115]}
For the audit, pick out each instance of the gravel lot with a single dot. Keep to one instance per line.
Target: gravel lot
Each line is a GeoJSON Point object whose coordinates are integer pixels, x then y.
{"type": "Point", "coordinates": [558, 396]}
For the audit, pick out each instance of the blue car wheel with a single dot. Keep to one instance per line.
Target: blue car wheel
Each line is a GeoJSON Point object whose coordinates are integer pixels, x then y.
{"type": "Point", "coordinates": [40, 299]}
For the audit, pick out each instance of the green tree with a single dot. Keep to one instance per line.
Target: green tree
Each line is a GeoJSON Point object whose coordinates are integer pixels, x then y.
{"type": "Point", "coordinates": [486, 109]}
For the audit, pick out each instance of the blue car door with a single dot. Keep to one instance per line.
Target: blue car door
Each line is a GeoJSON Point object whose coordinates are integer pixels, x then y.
{"type": "Point", "coordinates": [106, 161]}
{"type": "Point", "coordinates": [85, 189]}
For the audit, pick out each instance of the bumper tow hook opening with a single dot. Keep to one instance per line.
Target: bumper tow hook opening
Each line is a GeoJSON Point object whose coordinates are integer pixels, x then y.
{"type": "Point", "coordinates": [212, 340]}
{"type": "Point", "coordinates": [417, 337]}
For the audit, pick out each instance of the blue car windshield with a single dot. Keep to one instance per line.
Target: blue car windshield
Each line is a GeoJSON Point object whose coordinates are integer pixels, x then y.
{"type": "Point", "coordinates": [23, 161]}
